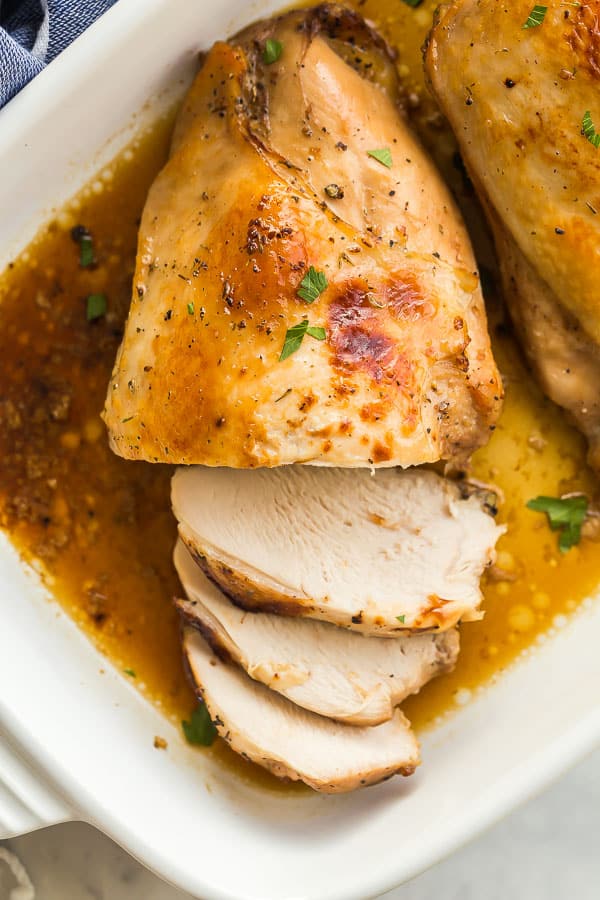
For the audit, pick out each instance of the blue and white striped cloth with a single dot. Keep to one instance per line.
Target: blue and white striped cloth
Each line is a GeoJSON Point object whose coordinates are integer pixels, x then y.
{"type": "Point", "coordinates": [33, 32]}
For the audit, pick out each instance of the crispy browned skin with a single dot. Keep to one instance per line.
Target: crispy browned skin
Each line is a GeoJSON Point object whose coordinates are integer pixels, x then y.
{"type": "Point", "coordinates": [232, 225]}
{"type": "Point", "coordinates": [516, 99]}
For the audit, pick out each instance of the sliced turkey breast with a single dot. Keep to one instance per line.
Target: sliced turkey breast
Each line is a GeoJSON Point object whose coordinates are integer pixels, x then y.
{"type": "Point", "coordinates": [290, 742]}
{"type": "Point", "coordinates": [331, 671]}
{"type": "Point", "coordinates": [379, 553]}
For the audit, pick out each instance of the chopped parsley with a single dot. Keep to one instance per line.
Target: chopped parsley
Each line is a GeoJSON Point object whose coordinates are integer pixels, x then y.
{"type": "Point", "coordinates": [413, 3]}
{"type": "Point", "coordinates": [401, 619]}
{"type": "Point", "coordinates": [295, 335]}
{"type": "Point", "coordinates": [272, 51]}
{"type": "Point", "coordinates": [95, 306]}
{"type": "Point", "coordinates": [536, 16]}
{"type": "Point", "coordinates": [588, 130]}
{"type": "Point", "coordinates": [190, 309]}
{"type": "Point", "coordinates": [130, 672]}
{"type": "Point", "coordinates": [383, 156]}
{"type": "Point", "coordinates": [312, 285]}
{"type": "Point", "coordinates": [81, 236]}
{"type": "Point", "coordinates": [565, 514]}
{"type": "Point", "coordinates": [86, 251]}
{"type": "Point", "coordinates": [200, 729]}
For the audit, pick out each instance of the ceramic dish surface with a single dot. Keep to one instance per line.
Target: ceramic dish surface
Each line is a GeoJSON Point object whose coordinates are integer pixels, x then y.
{"type": "Point", "coordinates": [76, 741]}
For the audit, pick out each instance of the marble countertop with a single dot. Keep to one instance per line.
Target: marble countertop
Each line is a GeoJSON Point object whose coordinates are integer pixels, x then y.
{"type": "Point", "coordinates": [547, 850]}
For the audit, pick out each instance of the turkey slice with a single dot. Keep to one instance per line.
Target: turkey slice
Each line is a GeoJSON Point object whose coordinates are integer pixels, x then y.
{"type": "Point", "coordinates": [331, 671]}
{"type": "Point", "coordinates": [290, 742]}
{"type": "Point", "coordinates": [378, 553]}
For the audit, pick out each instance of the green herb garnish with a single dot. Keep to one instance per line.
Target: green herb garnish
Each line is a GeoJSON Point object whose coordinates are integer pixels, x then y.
{"type": "Point", "coordinates": [295, 335]}
{"type": "Point", "coordinates": [313, 284]}
{"type": "Point", "coordinates": [190, 309]}
{"type": "Point", "coordinates": [316, 332]}
{"type": "Point", "coordinates": [81, 236]}
{"type": "Point", "coordinates": [588, 130]}
{"type": "Point", "coordinates": [200, 729]}
{"type": "Point", "coordinates": [536, 16]}
{"type": "Point", "coordinates": [130, 672]}
{"type": "Point", "coordinates": [401, 619]}
{"type": "Point", "coordinates": [413, 3]}
{"type": "Point", "coordinates": [293, 339]}
{"type": "Point", "coordinates": [383, 156]}
{"type": "Point", "coordinates": [565, 514]}
{"type": "Point", "coordinates": [86, 251]}
{"type": "Point", "coordinates": [95, 306]}
{"type": "Point", "coordinates": [272, 51]}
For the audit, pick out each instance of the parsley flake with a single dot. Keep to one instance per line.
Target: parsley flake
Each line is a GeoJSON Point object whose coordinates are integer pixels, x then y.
{"type": "Point", "coordinates": [272, 51]}
{"type": "Point", "coordinates": [82, 236]}
{"type": "Point", "coordinates": [588, 130]}
{"type": "Point", "coordinates": [130, 672]}
{"type": "Point", "coordinates": [86, 251]}
{"type": "Point", "coordinates": [312, 285]}
{"type": "Point", "coordinates": [401, 619]}
{"type": "Point", "coordinates": [383, 156]}
{"type": "Point", "coordinates": [200, 729]}
{"type": "Point", "coordinates": [190, 309]}
{"type": "Point", "coordinates": [536, 17]}
{"type": "Point", "coordinates": [413, 3]}
{"type": "Point", "coordinates": [295, 335]}
{"type": "Point", "coordinates": [565, 514]}
{"type": "Point", "coordinates": [95, 306]}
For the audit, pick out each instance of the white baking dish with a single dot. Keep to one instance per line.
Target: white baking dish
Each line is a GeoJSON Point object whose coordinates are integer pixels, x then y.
{"type": "Point", "coordinates": [76, 743]}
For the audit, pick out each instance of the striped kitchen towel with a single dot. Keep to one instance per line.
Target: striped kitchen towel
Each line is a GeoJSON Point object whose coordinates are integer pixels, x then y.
{"type": "Point", "coordinates": [33, 32]}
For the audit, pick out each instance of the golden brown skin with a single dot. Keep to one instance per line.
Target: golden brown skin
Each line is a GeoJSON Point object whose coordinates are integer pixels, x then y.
{"type": "Point", "coordinates": [516, 99]}
{"type": "Point", "coordinates": [231, 226]}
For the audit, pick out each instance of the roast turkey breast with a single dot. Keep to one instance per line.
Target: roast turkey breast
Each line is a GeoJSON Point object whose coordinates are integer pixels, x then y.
{"type": "Point", "coordinates": [328, 670]}
{"type": "Point", "coordinates": [520, 85]}
{"type": "Point", "coordinates": [305, 290]}
{"type": "Point", "coordinates": [379, 553]}
{"type": "Point", "coordinates": [290, 742]}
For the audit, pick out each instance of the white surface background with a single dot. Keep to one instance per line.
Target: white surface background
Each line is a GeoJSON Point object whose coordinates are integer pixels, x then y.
{"type": "Point", "coordinates": [548, 850]}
